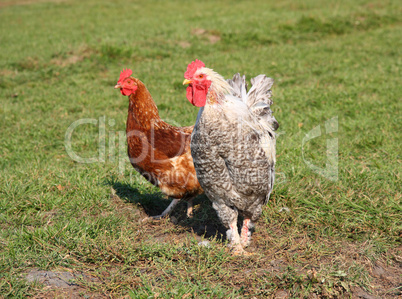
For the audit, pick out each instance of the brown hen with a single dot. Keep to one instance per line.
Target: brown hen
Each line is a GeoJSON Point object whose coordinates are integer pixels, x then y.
{"type": "Point", "coordinates": [158, 151]}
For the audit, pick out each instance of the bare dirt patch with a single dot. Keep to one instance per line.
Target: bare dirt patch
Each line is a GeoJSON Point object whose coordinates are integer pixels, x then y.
{"type": "Point", "coordinates": [212, 36]}
{"type": "Point", "coordinates": [61, 284]}
{"type": "Point", "coordinates": [184, 44]}
{"type": "Point", "coordinates": [5, 72]}
{"type": "Point", "coordinates": [72, 57]}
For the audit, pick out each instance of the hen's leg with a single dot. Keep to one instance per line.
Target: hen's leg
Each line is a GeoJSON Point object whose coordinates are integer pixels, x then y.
{"type": "Point", "coordinates": [166, 212]}
{"type": "Point", "coordinates": [245, 236]}
{"type": "Point", "coordinates": [190, 208]}
{"type": "Point", "coordinates": [169, 209]}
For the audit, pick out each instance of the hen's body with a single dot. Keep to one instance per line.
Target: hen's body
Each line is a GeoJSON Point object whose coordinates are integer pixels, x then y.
{"type": "Point", "coordinates": [158, 151]}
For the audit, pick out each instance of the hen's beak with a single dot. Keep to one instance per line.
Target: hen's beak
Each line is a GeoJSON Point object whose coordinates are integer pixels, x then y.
{"type": "Point", "coordinates": [117, 86]}
{"type": "Point", "coordinates": [186, 82]}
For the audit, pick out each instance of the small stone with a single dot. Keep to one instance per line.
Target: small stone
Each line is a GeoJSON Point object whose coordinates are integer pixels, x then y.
{"type": "Point", "coordinates": [284, 209]}
{"type": "Point", "coordinates": [204, 243]}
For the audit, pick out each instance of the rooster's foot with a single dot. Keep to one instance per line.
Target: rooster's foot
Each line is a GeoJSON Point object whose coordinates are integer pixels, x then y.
{"type": "Point", "coordinates": [237, 250]}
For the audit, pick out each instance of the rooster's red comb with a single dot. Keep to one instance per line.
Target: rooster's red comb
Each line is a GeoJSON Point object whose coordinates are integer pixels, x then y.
{"type": "Point", "coordinates": [124, 74]}
{"type": "Point", "coordinates": [192, 68]}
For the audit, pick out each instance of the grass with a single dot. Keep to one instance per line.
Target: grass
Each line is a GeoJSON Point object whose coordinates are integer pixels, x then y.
{"type": "Point", "coordinates": [58, 64]}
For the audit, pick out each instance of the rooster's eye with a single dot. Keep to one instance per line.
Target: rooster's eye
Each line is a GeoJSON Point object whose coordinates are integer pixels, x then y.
{"type": "Point", "coordinates": [201, 76]}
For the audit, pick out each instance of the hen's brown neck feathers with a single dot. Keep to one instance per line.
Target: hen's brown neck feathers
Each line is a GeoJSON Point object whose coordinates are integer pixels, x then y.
{"type": "Point", "coordinates": [142, 107]}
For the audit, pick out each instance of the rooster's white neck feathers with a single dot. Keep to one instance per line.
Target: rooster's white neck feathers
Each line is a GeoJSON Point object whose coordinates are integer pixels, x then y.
{"type": "Point", "coordinates": [219, 84]}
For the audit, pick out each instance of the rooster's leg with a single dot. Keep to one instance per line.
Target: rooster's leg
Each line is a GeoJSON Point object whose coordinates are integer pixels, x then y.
{"type": "Point", "coordinates": [228, 217]}
{"type": "Point", "coordinates": [234, 239]}
{"type": "Point", "coordinates": [245, 236]}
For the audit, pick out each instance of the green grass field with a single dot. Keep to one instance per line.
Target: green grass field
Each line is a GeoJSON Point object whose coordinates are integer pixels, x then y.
{"type": "Point", "coordinates": [329, 233]}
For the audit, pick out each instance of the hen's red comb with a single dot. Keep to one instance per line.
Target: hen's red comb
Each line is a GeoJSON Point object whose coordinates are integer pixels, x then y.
{"type": "Point", "coordinates": [124, 74]}
{"type": "Point", "coordinates": [192, 68]}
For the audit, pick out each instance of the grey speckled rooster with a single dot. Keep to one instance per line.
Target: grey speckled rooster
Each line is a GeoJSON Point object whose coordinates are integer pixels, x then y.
{"type": "Point", "coordinates": [233, 146]}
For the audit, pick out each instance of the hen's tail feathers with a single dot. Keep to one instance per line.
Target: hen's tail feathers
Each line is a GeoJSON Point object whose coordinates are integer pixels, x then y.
{"type": "Point", "coordinates": [258, 99]}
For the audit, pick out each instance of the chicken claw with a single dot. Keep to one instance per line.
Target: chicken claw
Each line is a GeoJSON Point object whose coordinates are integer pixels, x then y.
{"type": "Point", "coordinates": [170, 208]}
{"type": "Point", "coordinates": [238, 250]}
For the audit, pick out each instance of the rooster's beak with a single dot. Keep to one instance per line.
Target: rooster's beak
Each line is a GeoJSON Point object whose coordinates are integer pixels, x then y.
{"type": "Point", "coordinates": [185, 82]}
{"type": "Point", "coordinates": [117, 86]}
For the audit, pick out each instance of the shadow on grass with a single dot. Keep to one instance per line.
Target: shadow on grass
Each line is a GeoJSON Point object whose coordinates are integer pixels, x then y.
{"type": "Point", "coordinates": [203, 223]}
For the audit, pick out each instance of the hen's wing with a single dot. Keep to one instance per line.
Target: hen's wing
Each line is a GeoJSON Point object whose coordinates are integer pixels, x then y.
{"type": "Point", "coordinates": [168, 141]}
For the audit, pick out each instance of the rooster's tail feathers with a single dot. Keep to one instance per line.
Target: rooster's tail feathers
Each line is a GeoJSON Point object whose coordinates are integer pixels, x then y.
{"type": "Point", "coordinates": [258, 99]}
{"type": "Point", "coordinates": [260, 91]}
{"type": "Point", "coordinates": [239, 86]}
